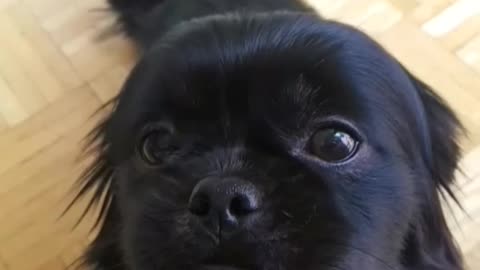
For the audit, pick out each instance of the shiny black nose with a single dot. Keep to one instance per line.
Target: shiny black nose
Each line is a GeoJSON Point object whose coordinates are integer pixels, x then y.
{"type": "Point", "coordinates": [225, 205]}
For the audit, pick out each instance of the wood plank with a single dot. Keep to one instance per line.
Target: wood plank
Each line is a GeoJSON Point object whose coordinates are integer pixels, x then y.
{"type": "Point", "coordinates": [5, 4]}
{"type": "Point", "coordinates": [473, 258]}
{"type": "Point", "coordinates": [426, 9]}
{"type": "Point", "coordinates": [452, 17]}
{"type": "Point", "coordinates": [444, 72]}
{"type": "Point", "coordinates": [470, 54]}
{"type": "Point", "coordinates": [53, 264]}
{"type": "Point", "coordinates": [3, 122]}
{"type": "Point", "coordinates": [50, 182]}
{"type": "Point", "coordinates": [46, 8]}
{"type": "Point", "coordinates": [453, 40]}
{"type": "Point", "coordinates": [107, 85]}
{"type": "Point", "coordinates": [328, 8]}
{"type": "Point", "coordinates": [26, 55]}
{"type": "Point", "coordinates": [75, 99]}
{"type": "Point", "coordinates": [382, 17]}
{"type": "Point", "coordinates": [49, 51]}
{"type": "Point", "coordinates": [406, 6]}
{"type": "Point", "coordinates": [44, 161]}
{"type": "Point", "coordinates": [73, 252]}
{"type": "Point", "coordinates": [16, 77]}
{"type": "Point", "coordinates": [92, 59]}
{"type": "Point", "coordinates": [10, 108]}
{"type": "Point", "coordinates": [75, 20]}
{"type": "Point", "coordinates": [52, 130]}
{"type": "Point", "coordinates": [41, 252]}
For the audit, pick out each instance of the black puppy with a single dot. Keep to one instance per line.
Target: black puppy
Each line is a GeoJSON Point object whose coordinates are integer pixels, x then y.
{"type": "Point", "coordinates": [255, 135]}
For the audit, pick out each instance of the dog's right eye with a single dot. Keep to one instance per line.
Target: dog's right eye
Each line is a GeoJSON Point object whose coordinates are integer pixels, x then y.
{"type": "Point", "coordinates": [334, 145]}
{"type": "Point", "coordinates": [156, 144]}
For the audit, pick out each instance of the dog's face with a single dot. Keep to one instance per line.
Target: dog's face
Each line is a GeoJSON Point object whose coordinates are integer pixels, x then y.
{"type": "Point", "coordinates": [276, 142]}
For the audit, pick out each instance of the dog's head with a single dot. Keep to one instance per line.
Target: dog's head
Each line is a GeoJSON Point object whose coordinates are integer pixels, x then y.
{"type": "Point", "coordinates": [273, 142]}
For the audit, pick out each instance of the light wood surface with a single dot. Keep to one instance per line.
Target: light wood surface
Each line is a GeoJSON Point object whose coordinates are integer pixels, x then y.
{"type": "Point", "coordinates": [55, 72]}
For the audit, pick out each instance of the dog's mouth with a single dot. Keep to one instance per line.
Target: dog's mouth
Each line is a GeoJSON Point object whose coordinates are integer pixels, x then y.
{"type": "Point", "coordinates": [228, 261]}
{"type": "Point", "coordinates": [221, 267]}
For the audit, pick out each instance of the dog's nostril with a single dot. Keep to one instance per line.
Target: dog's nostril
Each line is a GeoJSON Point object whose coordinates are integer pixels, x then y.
{"type": "Point", "coordinates": [225, 205]}
{"type": "Point", "coordinates": [242, 205]}
{"type": "Point", "coordinates": [200, 205]}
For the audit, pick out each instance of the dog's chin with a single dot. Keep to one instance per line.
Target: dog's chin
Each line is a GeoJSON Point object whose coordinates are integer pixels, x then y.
{"type": "Point", "coordinates": [221, 267]}
{"type": "Point", "coordinates": [234, 256]}
{"type": "Point", "coordinates": [243, 263]}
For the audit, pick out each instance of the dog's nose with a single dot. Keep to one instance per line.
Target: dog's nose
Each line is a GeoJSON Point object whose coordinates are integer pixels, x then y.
{"type": "Point", "coordinates": [225, 205]}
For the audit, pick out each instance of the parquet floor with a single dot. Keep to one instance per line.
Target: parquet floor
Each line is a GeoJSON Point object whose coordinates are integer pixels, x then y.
{"type": "Point", "coordinates": [55, 71]}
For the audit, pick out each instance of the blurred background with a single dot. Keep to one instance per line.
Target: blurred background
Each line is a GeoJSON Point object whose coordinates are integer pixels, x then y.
{"type": "Point", "coordinates": [55, 72]}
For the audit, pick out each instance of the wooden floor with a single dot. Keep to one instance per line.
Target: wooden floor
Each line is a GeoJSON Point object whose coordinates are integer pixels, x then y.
{"type": "Point", "coordinates": [55, 71]}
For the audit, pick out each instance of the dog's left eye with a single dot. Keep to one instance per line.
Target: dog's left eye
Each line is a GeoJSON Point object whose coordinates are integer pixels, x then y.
{"type": "Point", "coordinates": [156, 144]}
{"type": "Point", "coordinates": [333, 145]}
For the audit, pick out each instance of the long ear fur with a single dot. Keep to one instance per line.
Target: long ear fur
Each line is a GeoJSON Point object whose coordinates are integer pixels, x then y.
{"type": "Point", "coordinates": [96, 184]}
{"type": "Point", "coordinates": [431, 243]}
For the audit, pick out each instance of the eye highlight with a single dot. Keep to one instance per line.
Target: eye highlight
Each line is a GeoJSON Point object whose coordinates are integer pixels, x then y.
{"type": "Point", "coordinates": [333, 144]}
{"type": "Point", "coordinates": [156, 144]}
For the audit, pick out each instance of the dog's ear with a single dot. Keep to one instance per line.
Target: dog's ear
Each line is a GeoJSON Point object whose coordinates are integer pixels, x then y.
{"type": "Point", "coordinates": [444, 130]}
{"type": "Point", "coordinates": [431, 237]}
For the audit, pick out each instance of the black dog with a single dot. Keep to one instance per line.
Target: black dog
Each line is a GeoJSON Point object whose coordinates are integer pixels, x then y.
{"type": "Point", "coordinates": [253, 134]}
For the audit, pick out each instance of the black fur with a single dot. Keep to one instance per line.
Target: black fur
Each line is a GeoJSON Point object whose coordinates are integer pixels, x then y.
{"type": "Point", "coordinates": [147, 20]}
{"type": "Point", "coordinates": [245, 84]}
